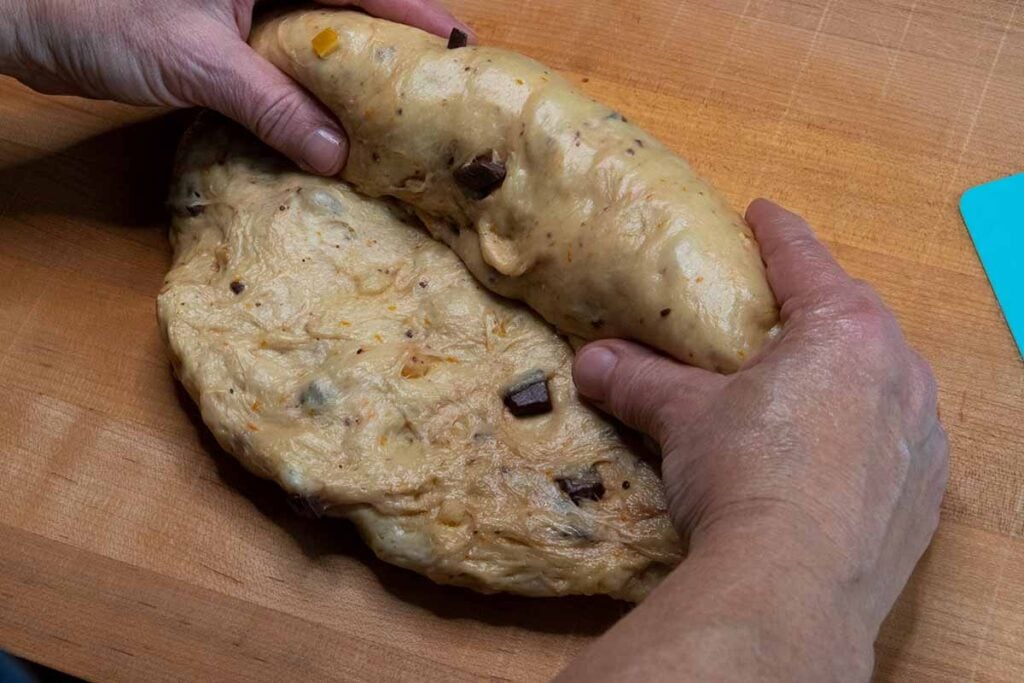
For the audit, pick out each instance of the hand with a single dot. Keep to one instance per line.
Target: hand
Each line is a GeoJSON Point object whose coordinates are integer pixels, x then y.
{"type": "Point", "coordinates": [181, 53]}
{"type": "Point", "coordinates": [826, 447]}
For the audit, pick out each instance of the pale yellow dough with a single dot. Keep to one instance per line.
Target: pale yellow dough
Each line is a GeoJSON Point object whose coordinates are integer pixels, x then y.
{"type": "Point", "coordinates": [336, 348]}
{"type": "Point", "coordinates": [597, 226]}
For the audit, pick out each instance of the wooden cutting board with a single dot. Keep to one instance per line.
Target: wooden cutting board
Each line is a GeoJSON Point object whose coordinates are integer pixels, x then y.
{"type": "Point", "coordinates": [131, 547]}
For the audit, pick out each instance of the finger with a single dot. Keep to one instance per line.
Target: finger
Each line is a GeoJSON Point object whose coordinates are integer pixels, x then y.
{"type": "Point", "coordinates": [797, 262]}
{"type": "Point", "coordinates": [643, 389]}
{"type": "Point", "coordinates": [253, 92]}
{"type": "Point", "coordinates": [428, 15]}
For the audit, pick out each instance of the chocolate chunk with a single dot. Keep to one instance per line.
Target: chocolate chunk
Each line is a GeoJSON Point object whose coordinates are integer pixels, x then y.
{"type": "Point", "coordinates": [481, 176]}
{"type": "Point", "coordinates": [457, 39]}
{"type": "Point", "coordinates": [195, 209]}
{"type": "Point", "coordinates": [625, 485]}
{"type": "Point", "coordinates": [665, 312]}
{"type": "Point", "coordinates": [237, 287]}
{"type": "Point", "coordinates": [309, 507]}
{"type": "Point", "coordinates": [529, 395]}
{"type": "Point", "coordinates": [586, 485]}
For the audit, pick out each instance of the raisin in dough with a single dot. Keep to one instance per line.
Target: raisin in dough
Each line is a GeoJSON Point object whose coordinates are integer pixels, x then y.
{"type": "Point", "coordinates": [339, 350]}
{"type": "Point", "coordinates": [596, 225]}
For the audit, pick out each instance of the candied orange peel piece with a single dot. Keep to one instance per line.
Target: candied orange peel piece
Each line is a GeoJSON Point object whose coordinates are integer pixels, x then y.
{"type": "Point", "coordinates": [325, 42]}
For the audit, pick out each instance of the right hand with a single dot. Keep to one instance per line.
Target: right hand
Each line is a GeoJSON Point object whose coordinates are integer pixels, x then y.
{"type": "Point", "coordinates": [828, 442]}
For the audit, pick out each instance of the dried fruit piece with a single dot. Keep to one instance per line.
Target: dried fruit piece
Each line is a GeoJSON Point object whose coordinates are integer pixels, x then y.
{"type": "Point", "coordinates": [325, 42]}
{"type": "Point", "coordinates": [316, 396]}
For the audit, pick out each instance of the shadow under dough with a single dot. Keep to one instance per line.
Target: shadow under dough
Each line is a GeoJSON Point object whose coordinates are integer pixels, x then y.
{"type": "Point", "coordinates": [119, 177]}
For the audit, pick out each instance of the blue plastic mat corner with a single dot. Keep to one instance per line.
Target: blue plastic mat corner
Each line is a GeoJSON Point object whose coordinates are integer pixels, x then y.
{"type": "Point", "coordinates": [994, 214]}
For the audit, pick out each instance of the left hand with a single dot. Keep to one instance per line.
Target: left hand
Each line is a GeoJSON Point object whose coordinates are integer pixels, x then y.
{"type": "Point", "coordinates": [182, 53]}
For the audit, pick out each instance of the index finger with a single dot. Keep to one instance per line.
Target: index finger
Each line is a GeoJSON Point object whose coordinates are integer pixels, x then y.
{"type": "Point", "coordinates": [797, 262]}
{"type": "Point", "coordinates": [429, 15]}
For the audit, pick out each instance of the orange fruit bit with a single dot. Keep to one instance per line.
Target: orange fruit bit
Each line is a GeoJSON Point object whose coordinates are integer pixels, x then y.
{"type": "Point", "coordinates": [325, 42]}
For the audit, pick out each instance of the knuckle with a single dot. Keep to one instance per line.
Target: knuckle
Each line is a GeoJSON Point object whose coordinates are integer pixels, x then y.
{"type": "Point", "coordinates": [942, 451]}
{"type": "Point", "coordinates": [871, 330]}
{"type": "Point", "coordinates": [798, 241]}
{"type": "Point", "coordinates": [923, 380]}
{"type": "Point", "coordinates": [641, 395]}
{"type": "Point", "coordinates": [275, 113]}
{"type": "Point", "coordinates": [853, 322]}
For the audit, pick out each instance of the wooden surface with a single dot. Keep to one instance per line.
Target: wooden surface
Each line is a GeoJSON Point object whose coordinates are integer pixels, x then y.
{"type": "Point", "coordinates": [132, 548]}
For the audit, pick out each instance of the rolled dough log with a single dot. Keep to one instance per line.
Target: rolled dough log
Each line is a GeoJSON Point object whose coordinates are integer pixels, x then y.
{"type": "Point", "coordinates": [548, 196]}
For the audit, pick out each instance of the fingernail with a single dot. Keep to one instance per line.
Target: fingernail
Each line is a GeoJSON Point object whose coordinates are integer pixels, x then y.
{"type": "Point", "coordinates": [592, 370]}
{"type": "Point", "coordinates": [323, 151]}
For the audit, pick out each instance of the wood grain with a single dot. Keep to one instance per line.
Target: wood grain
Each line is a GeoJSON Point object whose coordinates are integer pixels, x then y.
{"type": "Point", "coordinates": [134, 549]}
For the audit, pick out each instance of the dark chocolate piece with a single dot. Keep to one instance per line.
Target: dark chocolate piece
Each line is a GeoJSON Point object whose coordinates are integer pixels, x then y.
{"type": "Point", "coordinates": [586, 485]}
{"type": "Point", "coordinates": [481, 176]}
{"type": "Point", "coordinates": [237, 287]}
{"type": "Point", "coordinates": [529, 395]}
{"type": "Point", "coordinates": [665, 312]}
{"type": "Point", "coordinates": [457, 39]}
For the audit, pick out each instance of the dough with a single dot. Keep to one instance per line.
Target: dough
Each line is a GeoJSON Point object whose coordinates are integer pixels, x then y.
{"type": "Point", "coordinates": [548, 196]}
{"type": "Point", "coordinates": [336, 348]}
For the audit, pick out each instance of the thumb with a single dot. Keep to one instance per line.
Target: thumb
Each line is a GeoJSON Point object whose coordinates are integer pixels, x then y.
{"type": "Point", "coordinates": [643, 389]}
{"type": "Point", "coordinates": [278, 110]}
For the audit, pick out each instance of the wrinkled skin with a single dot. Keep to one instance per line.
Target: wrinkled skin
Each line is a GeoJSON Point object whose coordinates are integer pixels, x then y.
{"type": "Point", "coordinates": [823, 456]}
{"type": "Point", "coordinates": [182, 53]}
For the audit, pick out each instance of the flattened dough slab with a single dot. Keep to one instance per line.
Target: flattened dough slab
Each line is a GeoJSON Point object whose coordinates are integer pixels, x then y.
{"type": "Point", "coordinates": [336, 348]}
